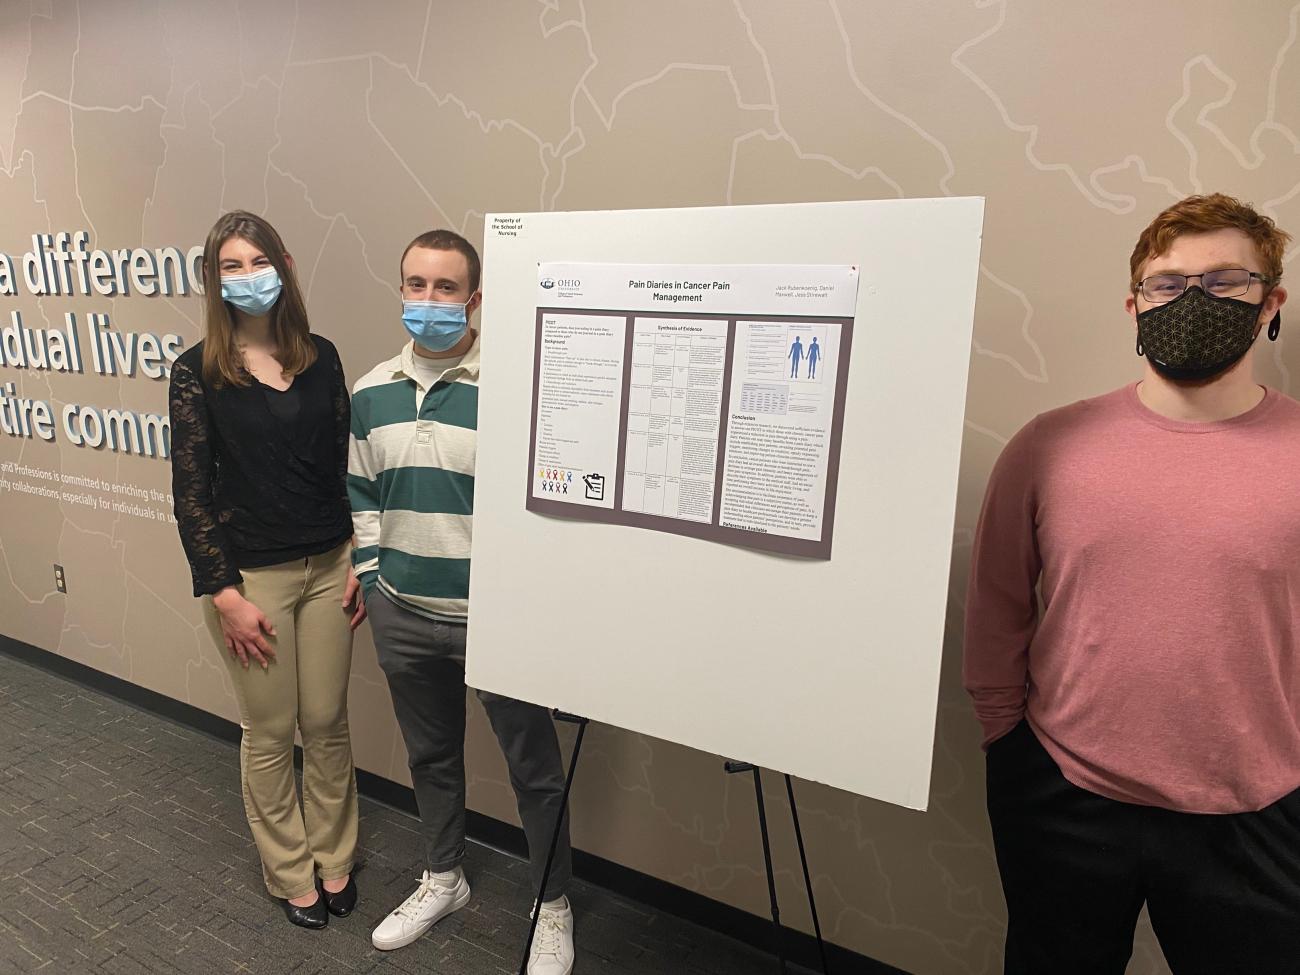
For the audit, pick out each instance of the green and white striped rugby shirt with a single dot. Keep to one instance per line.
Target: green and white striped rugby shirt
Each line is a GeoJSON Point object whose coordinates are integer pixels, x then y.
{"type": "Point", "coordinates": [411, 483]}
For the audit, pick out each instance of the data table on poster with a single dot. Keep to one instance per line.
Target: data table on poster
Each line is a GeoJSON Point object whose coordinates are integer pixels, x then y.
{"type": "Point", "coordinates": [674, 413]}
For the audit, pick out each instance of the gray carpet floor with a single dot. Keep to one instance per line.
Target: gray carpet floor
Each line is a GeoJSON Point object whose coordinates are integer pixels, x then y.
{"type": "Point", "coordinates": [123, 849]}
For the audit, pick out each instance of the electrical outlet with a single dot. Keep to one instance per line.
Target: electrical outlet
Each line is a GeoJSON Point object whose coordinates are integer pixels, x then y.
{"type": "Point", "coordinates": [60, 580]}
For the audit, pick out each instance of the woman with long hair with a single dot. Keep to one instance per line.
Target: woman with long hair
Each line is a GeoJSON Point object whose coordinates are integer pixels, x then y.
{"type": "Point", "coordinates": [259, 419]}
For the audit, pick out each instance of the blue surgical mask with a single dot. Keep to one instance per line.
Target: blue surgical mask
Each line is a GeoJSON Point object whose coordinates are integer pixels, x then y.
{"type": "Point", "coordinates": [435, 325]}
{"type": "Point", "coordinates": [253, 294]}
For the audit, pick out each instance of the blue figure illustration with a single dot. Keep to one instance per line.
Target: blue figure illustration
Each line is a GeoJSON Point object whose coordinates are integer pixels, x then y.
{"type": "Point", "coordinates": [814, 353]}
{"type": "Point", "coordinates": [796, 357]}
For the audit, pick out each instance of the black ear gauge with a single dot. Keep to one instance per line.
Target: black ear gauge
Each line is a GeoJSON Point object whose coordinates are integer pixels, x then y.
{"type": "Point", "coordinates": [1275, 327]}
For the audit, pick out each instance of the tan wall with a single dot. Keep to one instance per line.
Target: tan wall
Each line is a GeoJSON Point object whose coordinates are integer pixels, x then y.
{"type": "Point", "coordinates": [354, 125]}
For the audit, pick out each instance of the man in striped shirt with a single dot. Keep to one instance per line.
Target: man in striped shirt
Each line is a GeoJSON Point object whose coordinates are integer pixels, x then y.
{"type": "Point", "coordinates": [411, 483]}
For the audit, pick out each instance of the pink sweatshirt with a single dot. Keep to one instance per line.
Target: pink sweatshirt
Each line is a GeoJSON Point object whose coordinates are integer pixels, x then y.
{"type": "Point", "coordinates": [1163, 668]}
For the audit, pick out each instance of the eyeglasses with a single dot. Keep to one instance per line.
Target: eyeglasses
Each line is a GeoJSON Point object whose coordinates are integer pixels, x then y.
{"type": "Point", "coordinates": [1227, 283]}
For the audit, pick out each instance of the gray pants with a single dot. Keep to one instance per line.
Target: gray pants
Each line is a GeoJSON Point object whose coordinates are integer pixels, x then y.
{"type": "Point", "coordinates": [424, 661]}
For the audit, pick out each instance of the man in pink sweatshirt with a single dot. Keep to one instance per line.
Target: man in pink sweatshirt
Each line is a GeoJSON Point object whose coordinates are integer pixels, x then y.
{"type": "Point", "coordinates": [1133, 633]}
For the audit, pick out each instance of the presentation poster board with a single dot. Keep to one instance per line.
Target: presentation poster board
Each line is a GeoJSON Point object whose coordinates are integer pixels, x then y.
{"type": "Point", "coordinates": [720, 420]}
{"type": "Point", "coordinates": [823, 664]}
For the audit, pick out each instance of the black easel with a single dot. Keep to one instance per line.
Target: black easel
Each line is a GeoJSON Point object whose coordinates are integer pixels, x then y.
{"type": "Point", "coordinates": [733, 768]}
{"type": "Point", "coordinates": [559, 828]}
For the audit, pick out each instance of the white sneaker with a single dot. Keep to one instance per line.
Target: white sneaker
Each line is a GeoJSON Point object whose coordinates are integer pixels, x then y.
{"type": "Point", "coordinates": [433, 900]}
{"type": "Point", "coordinates": [552, 952]}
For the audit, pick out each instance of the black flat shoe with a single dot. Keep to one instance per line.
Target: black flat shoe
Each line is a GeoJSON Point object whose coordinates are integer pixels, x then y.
{"type": "Point", "coordinates": [345, 901]}
{"type": "Point", "coordinates": [314, 916]}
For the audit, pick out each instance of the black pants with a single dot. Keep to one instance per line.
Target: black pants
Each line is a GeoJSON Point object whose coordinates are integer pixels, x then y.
{"type": "Point", "coordinates": [1223, 891]}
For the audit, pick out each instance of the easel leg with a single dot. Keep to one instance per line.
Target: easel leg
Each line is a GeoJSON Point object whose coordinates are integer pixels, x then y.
{"type": "Point", "coordinates": [779, 944]}
{"type": "Point", "coordinates": [555, 837]}
{"type": "Point", "coordinates": [771, 874]}
{"type": "Point", "coordinates": [807, 879]}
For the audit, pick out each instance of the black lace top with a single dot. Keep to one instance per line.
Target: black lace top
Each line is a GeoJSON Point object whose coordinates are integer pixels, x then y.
{"type": "Point", "coordinates": [256, 484]}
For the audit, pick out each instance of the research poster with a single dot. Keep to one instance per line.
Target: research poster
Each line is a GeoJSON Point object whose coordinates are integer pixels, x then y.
{"type": "Point", "coordinates": [702, 400]}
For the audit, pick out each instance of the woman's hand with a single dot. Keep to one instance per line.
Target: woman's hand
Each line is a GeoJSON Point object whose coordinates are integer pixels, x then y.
{"type": "Point", "coordinates": [354, 596]}
{"type": "Point", "coordinates": [242, 625]}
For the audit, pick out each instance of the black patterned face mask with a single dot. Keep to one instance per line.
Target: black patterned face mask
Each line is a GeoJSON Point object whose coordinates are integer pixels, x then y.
{"type": "Point", "coordinates": [1196, 336]}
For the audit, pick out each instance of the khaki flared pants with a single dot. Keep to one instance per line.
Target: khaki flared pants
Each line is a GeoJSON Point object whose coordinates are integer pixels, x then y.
{"type": "Point", "coordinates": [305, 688]}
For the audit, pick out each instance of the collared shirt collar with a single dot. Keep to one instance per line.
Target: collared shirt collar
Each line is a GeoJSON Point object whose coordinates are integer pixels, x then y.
{"type": "Point", "coordinates": [467, 367]}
